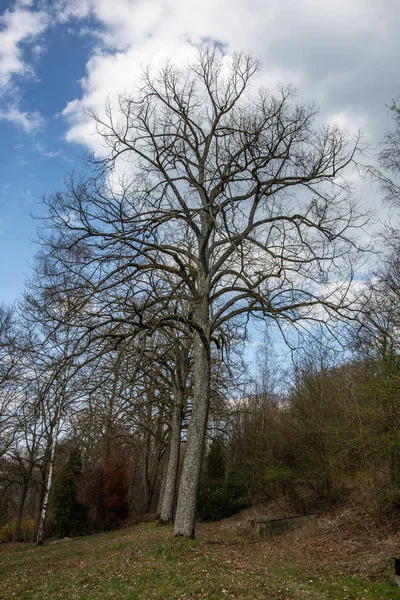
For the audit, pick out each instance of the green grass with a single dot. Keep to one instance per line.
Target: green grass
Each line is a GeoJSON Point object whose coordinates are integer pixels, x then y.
{"type": "Point", "coordinates": [144, 563]}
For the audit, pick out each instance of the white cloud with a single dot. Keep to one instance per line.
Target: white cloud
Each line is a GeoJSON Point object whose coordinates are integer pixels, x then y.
{"type": "Point", "coordinates": [30, 122]}
{"type": "Point", "coordinates": [342, 54]}
{"type": "Point", "coordinates": [111, 74]}
{"type": "Point", "coordinates": [18, 26]}
{"type": "Point", "coordinates": [67, 9]}
{"type": "Point", "coordinates": [20, 3]}
{"type": "Point", "coordinates": [325, 50]}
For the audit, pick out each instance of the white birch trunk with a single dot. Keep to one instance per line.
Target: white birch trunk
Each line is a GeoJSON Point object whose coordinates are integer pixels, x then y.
{"type": "Point", "coordinates": [46, 496]}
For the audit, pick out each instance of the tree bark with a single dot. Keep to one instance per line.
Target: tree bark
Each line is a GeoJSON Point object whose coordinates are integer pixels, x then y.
{"type": "Point", "coordinates": [46, 497]}
{"type": "Point", "coordinates": [43, 471]}
{"type": "Point", "coordinates": [145, 467]}
{"type": "Point", "coordinates": [52, 459]}
{"type": "Point", "coordinates": [167, 508]}
{"type": "Point", "coordinates": [185, 518]}
{"type": "Point", "coordinates": [162, 486]}
{"type": "Point", "coordinates": [152, 457]}
{"type": "Point", "coordinates": [21, 505]}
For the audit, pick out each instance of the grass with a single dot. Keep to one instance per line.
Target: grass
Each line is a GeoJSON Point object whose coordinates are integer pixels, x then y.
{"type": "Point", "coordinates": [144, 562]}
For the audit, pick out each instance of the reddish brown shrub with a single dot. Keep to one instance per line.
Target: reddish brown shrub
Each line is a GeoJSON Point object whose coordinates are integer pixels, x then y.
{"type": "Point", "coordinates": [103, 490]}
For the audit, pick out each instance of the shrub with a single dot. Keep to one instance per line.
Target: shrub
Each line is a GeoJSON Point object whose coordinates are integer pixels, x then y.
{"type": "Point", "coordinates": [26, 531]}
{"type": "Point", "coordinates": [221, 500]}
{"type": "Point", "coordinates": [103, 490]}
{"type": "Point", "coordinates": [115, 490]}
{"type": "Point", "coordinates": [386, 503]}
{"type": "Point", "coordinates": [7, 531]}
{"type": "Point", "coordinates": [69, 514]}
{"type": "Point", "coordinates": [215, 463]}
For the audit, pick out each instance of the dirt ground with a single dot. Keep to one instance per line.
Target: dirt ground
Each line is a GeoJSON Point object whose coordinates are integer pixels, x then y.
{"type": "Point", "coordinates": [345, 538]}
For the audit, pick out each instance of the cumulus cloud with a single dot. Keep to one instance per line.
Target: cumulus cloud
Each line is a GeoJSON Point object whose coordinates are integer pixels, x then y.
{"type": "Point", "coordinates": [18, 26]}
{"type": "Point", "coordinates": [30, 122]}
{"type": "Point", "coordinates": [342, 54]}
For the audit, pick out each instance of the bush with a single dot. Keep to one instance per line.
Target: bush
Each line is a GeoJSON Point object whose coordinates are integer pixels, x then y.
{"type": "Point", "coordinates": [69, 514]}
{"type": "Point", "coordinates": [221, 500]}
{"type": "Point", "coordinates": [103, 490]}
{"type": "Point", "coordinates": [6, 532]}
{"type": "Point", "coordinates": [386, 503]}
{"type": "Point", "coordinates": [26, 531]}
{"type": "Point", "coordinates": [215, 463]}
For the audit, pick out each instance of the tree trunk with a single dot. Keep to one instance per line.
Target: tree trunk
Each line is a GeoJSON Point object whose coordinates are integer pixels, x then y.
{"type": "Point", "coordinates": [158, 452]}
{"type": "Point", "coordinates": [185, 518]}
{"type": "Point", "coordinates": [46, 495]}
{"type": "Point", "coordinates": [145, 471]}
{"type": "Point", "coordinates": [40, 499]}
{"type": "Point", "coordinates": [162, 486]}
{"type": "Point", "coordinates": [21, 505]}
{"type": "Point", "coordinates": [167, 508]}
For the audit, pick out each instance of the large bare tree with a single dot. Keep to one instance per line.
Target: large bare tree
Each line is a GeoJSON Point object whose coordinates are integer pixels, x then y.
{"type": "Point", "coordinates": [214, 203]}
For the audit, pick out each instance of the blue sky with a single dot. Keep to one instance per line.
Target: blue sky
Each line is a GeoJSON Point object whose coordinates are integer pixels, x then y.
{"type": "Point", "coordinates": [58, 56]}
{"type": "Point", "coordinates": [34, 155]}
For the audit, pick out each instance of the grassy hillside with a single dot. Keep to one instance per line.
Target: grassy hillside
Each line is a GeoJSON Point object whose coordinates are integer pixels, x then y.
{"type": "Point", "coordinates": [144, 562]}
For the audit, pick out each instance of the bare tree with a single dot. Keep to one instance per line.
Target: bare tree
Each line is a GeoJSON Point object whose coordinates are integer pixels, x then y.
{"type": "Point", "coordinates": [389, 160]}
{"type": "Point", "coordinates": [218, 204]}
{"type": "Point", "coordinates": [12, 369]}
{"type": "Point", "coordinates": [51, 312]}
{"type": "Point", "coordinates": [7, 343]}
{"type": "Point", "coordinates": [26, 454]}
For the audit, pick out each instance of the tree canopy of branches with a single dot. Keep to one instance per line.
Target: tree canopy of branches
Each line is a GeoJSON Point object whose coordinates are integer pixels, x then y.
{"type": "Point", "coordinates": [214, 203]}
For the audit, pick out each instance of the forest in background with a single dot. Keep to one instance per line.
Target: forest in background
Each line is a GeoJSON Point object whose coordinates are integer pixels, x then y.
{"type": "Point", "coordinates": [122, 366]}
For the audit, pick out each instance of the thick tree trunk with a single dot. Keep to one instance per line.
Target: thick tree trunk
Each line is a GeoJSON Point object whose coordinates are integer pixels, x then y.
{"type": "Point", "coordinates": [185, 518]}
{"type": "Point", "coordinates": [167, 508]}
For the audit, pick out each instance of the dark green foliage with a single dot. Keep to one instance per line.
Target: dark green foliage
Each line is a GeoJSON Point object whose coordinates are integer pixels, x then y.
{"type": "Point", "coordinates": [221, 500]}
{"type": "Point", "coordinates": [69, 514]}
{"type": "Point", "coordinates": [219, 496]}
{"type": "Point", "coordinates": [215, 463]}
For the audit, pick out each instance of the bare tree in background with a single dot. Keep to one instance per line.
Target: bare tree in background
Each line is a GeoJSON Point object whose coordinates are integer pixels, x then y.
{"type": "Point", "coordinates": [389, 160]}
{"type": "Point", "coordinates": [51, 312]}
{"type": "Point", "coordinates": [218, 204]}
{"type": "Point", "coordinates": [7, 343]}
{"type": "Point", "coordinates": [12, 375]}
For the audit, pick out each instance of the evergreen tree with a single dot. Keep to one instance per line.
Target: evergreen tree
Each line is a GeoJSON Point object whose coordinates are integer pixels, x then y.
{"type": "Point", "coordinates": [69, 514]}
